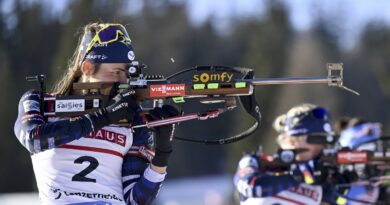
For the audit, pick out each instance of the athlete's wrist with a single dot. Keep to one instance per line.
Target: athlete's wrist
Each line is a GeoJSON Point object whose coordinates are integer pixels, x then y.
{"type": "Point", "coordinates": [161, 158]}
{"type": "Point", "coordinates": [158, 169]}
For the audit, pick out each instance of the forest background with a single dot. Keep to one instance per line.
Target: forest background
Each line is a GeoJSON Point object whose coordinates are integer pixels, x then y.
{"type": "Point", "coordinates": [273, 37]}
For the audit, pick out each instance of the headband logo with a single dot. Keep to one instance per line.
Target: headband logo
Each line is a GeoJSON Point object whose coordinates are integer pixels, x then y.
{"type": "Point", "coordinates": [327, 127]}
{"type": "Point", "coordinates": [131, 55]}
{"type": "Point", "coordinates": [97, 45]}
{"type": "Point", "coordinates": [98, 57]}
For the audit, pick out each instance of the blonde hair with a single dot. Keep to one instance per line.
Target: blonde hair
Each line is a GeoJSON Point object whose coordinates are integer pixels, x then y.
{"type": "Point", "coordinates": [280, 121]}
{"type": "Point", "coordinates": [73, 73]}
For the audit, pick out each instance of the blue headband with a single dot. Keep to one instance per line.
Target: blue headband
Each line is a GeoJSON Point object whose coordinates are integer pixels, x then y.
{"type": "Point", "coordinates": [115, 52]}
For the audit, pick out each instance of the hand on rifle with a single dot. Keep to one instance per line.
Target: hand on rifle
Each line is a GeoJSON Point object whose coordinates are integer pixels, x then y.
{"type": "Point", "coordinates": [121, 110]}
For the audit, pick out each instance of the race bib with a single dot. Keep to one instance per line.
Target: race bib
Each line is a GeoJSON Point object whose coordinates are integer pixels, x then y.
{"type": "Point", "coordinates": [303, 194]}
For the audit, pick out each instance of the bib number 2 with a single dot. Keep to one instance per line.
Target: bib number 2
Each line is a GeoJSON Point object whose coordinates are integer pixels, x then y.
{"type": "Point", "coordinates": [81, 176]}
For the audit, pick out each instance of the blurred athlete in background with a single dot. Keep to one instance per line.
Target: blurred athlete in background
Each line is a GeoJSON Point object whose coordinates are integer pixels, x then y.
{"type": "Point", "coordinates": [303, 133]}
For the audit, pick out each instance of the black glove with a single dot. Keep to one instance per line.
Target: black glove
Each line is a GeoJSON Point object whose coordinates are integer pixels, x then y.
{"type": "Point", "coordinates": [164, 134]}
{"type": "Point", "coordinates": [121, 109]}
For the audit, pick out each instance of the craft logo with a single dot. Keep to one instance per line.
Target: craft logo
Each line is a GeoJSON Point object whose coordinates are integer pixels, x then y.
{"type": "Point", "coordinates": [167, 90]}
{"type": "Point", "coordinates": [75, 105]}
{"type": "Point", "coordinates": [94, 57]}
{"type": "Point", "coordinates": [352, 157]}
{"type": "Point", "coordinates": [223, 77]}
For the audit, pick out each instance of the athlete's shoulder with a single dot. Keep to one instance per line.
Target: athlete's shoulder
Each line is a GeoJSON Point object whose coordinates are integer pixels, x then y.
{"type": "Point", "coordinates": [253, 159]}
{"type": "Point", "coordinates": [249, 160]}
{"type": "Point", "coordinates": [31, 95]}
{"type": "Point", "coordinates": [30, 101]}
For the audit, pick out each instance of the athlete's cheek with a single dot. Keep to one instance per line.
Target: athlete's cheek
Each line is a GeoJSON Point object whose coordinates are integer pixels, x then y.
{"type": "Point", "coordinates": [108, 76]}
{"type": "Point", "coordinates": [123, 79]}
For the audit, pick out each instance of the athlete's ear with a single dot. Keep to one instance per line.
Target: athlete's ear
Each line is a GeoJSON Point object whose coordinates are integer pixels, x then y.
{"type": "Point", "coordinates": [86, 68]}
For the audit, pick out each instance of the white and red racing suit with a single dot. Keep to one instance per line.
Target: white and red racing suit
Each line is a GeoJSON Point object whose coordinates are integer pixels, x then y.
{"type": "Point", "coordinates": [75, 164]}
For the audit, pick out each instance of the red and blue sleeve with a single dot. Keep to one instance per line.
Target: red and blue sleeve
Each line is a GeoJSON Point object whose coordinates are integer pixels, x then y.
{"type": "Point", "coordinates": [36, 134]}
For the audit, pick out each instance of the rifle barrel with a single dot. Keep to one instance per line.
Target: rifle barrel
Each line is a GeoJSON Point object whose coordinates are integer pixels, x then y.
{"type": "Point", "coordinates": [283, 81]}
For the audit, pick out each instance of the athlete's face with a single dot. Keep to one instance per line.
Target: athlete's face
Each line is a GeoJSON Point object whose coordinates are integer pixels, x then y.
{"type": "Point", "coordinates": [299, 142]}
{"type": "Point", "coordinates": [106, 72]}
{"type": "Point", "coordinates": [110, 72]}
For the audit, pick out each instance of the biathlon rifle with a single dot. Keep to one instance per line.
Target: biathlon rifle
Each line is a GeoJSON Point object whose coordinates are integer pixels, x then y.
{"type": "Point", "coordinates": [210, 84]}
{"type": "Point", "coordinates": [336, 155]}
{"type": "Point", "coordinates": [332, 158]}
